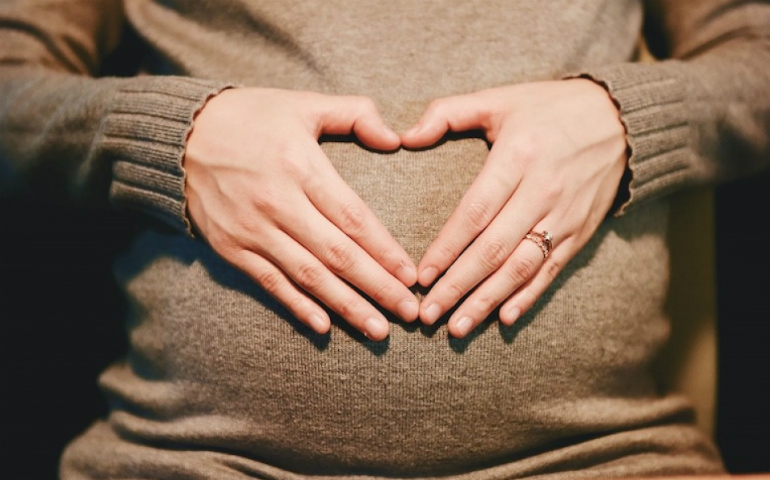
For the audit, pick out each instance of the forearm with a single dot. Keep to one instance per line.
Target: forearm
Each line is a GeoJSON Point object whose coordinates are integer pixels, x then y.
{"type": "Point", "coordinates": [702, 113]}
{"type": "Point", "coordinates": [66, 134]}
{"type": "Point", "coordinates": [99, 139]}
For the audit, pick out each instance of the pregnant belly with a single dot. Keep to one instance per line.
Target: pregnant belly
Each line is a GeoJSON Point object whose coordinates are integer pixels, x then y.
{"type": "Point", "coordinates": [216, 364]}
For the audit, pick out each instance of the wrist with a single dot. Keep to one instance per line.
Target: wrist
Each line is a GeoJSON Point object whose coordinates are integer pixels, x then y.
{"type": "Point", "coordinates": [610, 105]}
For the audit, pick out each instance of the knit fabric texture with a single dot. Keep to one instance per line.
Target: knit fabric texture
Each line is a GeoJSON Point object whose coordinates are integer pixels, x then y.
{"type": "Point", "coordinates": [221, 382]}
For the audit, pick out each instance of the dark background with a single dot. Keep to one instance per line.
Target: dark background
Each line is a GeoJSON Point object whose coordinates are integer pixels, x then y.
{"type": "Point", "coordinates": [60, 325]}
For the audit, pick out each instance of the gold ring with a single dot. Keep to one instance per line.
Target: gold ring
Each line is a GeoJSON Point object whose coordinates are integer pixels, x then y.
{"type": "Point", "coordinates": [543, 240]}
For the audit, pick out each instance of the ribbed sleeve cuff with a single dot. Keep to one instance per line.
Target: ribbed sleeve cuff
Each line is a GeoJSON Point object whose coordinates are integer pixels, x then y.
{"type": "Point", "coordinates": [651, 102]}
{"type": "Point", "coordinates": [144, 135]}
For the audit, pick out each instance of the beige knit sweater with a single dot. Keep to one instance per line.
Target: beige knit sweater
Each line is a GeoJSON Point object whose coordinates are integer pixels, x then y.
{"type": "Point", "coordinates": [221, 383]}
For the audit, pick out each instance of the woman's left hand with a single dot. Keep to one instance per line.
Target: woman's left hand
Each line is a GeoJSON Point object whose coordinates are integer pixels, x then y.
{"type": "Point", "coordinates": [557, 158]}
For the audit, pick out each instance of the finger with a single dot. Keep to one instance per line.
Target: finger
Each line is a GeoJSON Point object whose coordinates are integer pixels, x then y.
{"type": "Point", "coordinates": [348, 260]}
{"type": "Point", "coordinates": [484, 256]}
{"type": "Point", "coordinates": [479, 206]}
{"type": "Point", "coordinates": [341, 115]}
{"type": "Point", "coordinates": [520, 267]}
{"type": "Point", "coordinates": [456, 114]}
{"type": "Point", "coordinates": [525, 298]}
{"type": "Point", "coordinates": [316, 279]}
{"type": "Point", "coordinates": [334, 198]}
{"type": "Point", "coordinates": [277, 284]}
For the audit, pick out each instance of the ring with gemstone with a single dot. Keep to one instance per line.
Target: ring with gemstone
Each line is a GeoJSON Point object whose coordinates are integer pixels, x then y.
{"type": "Point", "coordinates": [543, 239]}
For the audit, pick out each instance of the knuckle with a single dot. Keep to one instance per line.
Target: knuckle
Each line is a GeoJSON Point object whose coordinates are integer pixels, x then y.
{"type": "Point", "coordinates": [456, 291]}
{"type": "Point", "coordinates": [270, 280]}
{"type": "Point", "coordinates": [382, 293]}
{"type": "Point", "coordinates": [352, 218]}
{"type": "Point", "coordinates": [294, 162]}
{"type": "Point", "coordinates": [479, 214]}
{"type": "Point", "coordinates": [435, 107]}
{"type": "Point", "coordinates": [494, 252]}
{"type": "Point", "coordinates": [446, 254]}
{"type": "Point", "coordinates": [485, 304]}
{"type": "Point", "coordinates": [310, 275]}
{"type": "Point", "coordinates": [267, 204]}
{"type": "Point", "coordinates": [222, 241]}
{"type": "Point", "coordinates": [366, 104]}
{"type": "Point", "coordinates": [340, 257]}
{"type": "Point", "coordinates": [232, 246]}
{"type": "Point", "coordinates": [362, 105]}
{"type": "Point", "coordinates": [294, 301]}
{"type": "Point", "coordinates": [552, 191]}
{"type": "Point", "coordinates": [521, 270]}
{"type": "Point", "coordinates": [346, 307]}
{"type": "Point", "coordinates": [552, 269]}
{"type": "Point", "coordinates": [388, 257]}
{"type": "Point", "coordinates": [526, 149]}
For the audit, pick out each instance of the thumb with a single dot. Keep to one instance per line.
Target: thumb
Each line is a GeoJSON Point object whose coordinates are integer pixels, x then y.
{"type": "Point", "coordinates": [455, 114]}
{"type": "Point", "coordinates": [342, 115]}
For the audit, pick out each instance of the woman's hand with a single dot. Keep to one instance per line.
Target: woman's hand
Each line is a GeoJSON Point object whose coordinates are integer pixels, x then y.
{"type": "Point", "coordinates": [262, 193]}
{"type": "Point", "coordinates": [558, 155]}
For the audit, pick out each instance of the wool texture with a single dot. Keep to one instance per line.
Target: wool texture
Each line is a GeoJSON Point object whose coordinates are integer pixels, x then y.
{"type": "Point", "coordinates": [221, 382]}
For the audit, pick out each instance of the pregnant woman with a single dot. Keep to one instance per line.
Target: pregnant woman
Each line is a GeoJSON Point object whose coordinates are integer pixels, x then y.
{"type": "Point", "coordinates": [478, 297]}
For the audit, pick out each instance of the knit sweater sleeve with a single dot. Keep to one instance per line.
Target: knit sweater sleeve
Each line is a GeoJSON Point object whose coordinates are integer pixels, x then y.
{"type": "Point", "coordinates": [66, 134]}
{"type": "Point", "coordinates": [702, 113]}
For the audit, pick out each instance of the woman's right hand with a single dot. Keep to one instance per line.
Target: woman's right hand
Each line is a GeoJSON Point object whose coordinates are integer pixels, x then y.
{"type": "Point", "coordinates": [264, 196]}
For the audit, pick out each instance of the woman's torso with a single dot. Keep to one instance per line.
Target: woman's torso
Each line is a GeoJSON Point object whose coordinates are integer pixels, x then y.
{"type": "Point", "coordinates": [217, 367]}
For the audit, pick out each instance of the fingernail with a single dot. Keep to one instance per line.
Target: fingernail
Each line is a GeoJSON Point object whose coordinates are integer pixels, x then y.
{"type": "Point", "coordinates": [408, 274]}
{"type": "Point", "coordinates": [428, 275]}
{"type": "Point", "coordinates": [463, 326]}
{"type": "Point", "coordinates": [317, 323]}
{"type": "Point", "coordinates": [375, 329]}
{"type": "Point", "coordinates": [408, 309]}
{"type": "Point", "coordinates": [432, 313]}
